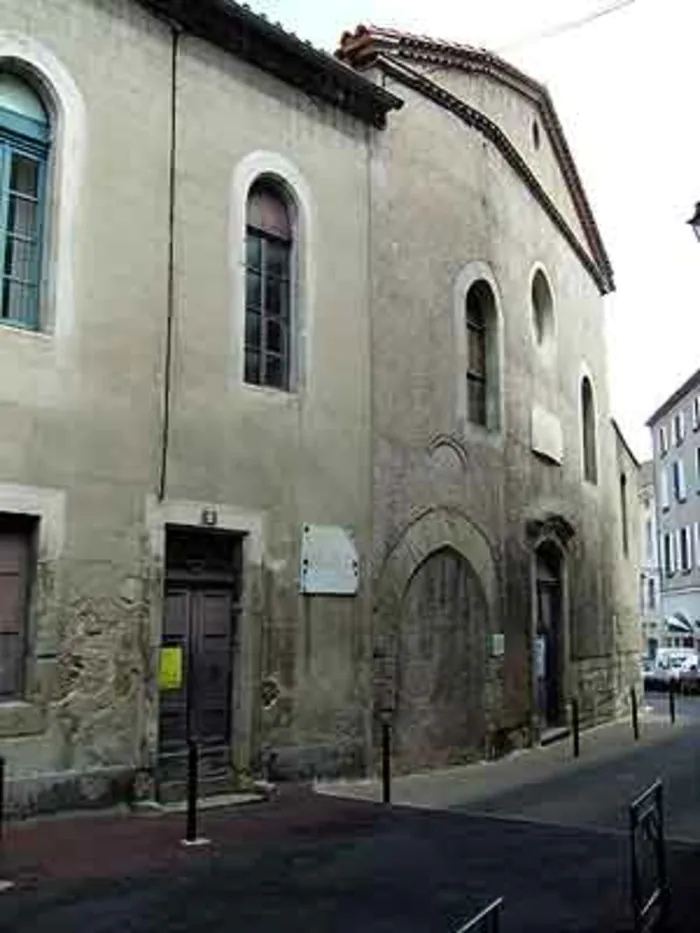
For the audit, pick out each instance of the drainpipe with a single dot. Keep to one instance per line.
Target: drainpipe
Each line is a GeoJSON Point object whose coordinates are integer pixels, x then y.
{"type": "Point", "coordinates": [167, 376]}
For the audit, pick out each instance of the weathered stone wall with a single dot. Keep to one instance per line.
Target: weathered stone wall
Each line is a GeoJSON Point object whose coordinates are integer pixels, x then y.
{"type": "Point", "coordinates": [81, 399]}
{"type": "Point", "coordinates": [476, 219]}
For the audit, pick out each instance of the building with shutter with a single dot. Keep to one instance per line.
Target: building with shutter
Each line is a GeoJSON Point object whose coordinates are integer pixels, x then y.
{"type": "Point", "coordinates": [675, 428]}
{"type": "Point", "coordinates": [303, 405]}
{"type": "Point", "coordinates": [653, 629]}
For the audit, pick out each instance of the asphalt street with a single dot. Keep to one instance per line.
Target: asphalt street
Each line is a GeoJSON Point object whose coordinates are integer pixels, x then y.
{"type": "Point", "coordinates": [546, 833]}
{"type": "Point", "coordinates": [596, 795]}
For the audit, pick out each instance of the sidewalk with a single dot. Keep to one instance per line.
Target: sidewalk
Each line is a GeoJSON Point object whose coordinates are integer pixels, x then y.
{"type": "Point", "coordinates": [471, 785]}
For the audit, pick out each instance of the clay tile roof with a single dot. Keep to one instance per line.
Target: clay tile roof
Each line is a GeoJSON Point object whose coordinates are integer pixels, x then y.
{"type": "Point", "coordinates": [368, 45]}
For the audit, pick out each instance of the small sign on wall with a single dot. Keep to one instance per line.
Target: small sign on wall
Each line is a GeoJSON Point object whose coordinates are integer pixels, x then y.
{"type": "Point", "coordinates": [498, 644]}
{"type": "Point", "coordinates": [170, 668]}
{"type": "Point", "coordinates": [329, 561]}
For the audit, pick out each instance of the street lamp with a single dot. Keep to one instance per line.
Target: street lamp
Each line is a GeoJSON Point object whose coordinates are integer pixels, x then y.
{"type": "Point", "coordinates": [695, 220]}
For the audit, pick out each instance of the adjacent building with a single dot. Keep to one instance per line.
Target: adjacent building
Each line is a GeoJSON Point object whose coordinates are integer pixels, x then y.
{"type": "Point", "coordinates": [675, 428]}
{"type": "Point", "coordinates": [652, 627]}
{"type": "Point", "coordinates": [303, 405]}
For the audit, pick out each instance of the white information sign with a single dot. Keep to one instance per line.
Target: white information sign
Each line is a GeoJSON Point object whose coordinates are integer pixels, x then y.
{"type": "Point", "coordinates": [329, 562]}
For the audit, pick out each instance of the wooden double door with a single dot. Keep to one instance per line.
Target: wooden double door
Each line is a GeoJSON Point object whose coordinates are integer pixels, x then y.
{"type": "Point", "coordinates": [202, 589]}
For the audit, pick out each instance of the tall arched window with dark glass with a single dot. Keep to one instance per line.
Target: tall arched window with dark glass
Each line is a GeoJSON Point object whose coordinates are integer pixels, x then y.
{"type": "Point", "coordinates": [588, 432]}
{"type": "Point", "coordinates": [269, 249]}
{"type": "Point", "coordinates": [482, 356]}
{"type": "Point", "coordinates": [25, 134]}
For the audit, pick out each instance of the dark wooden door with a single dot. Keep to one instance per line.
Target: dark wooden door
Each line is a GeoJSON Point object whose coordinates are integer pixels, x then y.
{"type": "Point", "coordinates": [441, 662]}
{"type": "Point", "coordinates": [549, 686]}
{"type": "Point", "coordinates": [201, 592]}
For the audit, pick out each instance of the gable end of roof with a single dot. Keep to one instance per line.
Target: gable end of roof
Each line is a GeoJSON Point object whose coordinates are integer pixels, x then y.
{"type": "Point", "coordinates": [372, 45]}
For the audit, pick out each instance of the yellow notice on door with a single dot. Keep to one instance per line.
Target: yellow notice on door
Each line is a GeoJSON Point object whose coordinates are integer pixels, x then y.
{"type": "Point", "coordinates": [170, 668]}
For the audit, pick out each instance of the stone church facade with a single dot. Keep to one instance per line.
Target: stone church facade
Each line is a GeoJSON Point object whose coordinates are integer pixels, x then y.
{"type": "Point", "coordinates": [302, 378]}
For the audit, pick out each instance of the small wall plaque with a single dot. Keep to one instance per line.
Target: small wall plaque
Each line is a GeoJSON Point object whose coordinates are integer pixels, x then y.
{"type": "Point", "coordinates": [498, 644]}
{"type": "Point", "coordinates": [329, 561]}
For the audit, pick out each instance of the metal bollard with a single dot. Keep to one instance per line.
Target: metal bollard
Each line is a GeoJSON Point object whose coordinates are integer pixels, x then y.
{"type": "Point", "coordinates": [191, 836]}
{"type": "Point", "coordinates": [386, 761]}
{"type": "Point", "coordinates": [575, 728]}
{"type": "Point", "coordinates": [5, 885]}
{"type": "Point", "coordinates": [192, 782]}
{"type": "Point", "coordinates": [635, 713]}
{"type": "Point", "coordinates": [672, 700]}
{"type": "Point", "coordinates": [2, 796]}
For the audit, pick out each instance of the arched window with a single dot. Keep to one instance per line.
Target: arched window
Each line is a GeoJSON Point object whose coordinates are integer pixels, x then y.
{"type": "Point", "coordinates": [482, 356]}
{"type": "Point", "coordinates": [623, 515]}
{"type": "Point", "coordinates": [24, 149]}
{"type": "Point", "coordinates": [588, 430]}
{"type": "Point", "coordinates": [269, 242]}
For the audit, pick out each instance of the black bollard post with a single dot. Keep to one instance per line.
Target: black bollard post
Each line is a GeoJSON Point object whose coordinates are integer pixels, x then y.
{"type": "Point", "coordinates": [635, 713]}
{"type": "Point", "coordinates": [192, 776]}
{"type": "Point", "coordinates": [575, 727]}
{"type": "Point", "coordinates": [2, 797]}
{"type": "Point", "coordinates": [386, 760]}
{"type": "Point", "coordinates": [672, 700]}
{"type": "Point", "coordinates": [5, 885]}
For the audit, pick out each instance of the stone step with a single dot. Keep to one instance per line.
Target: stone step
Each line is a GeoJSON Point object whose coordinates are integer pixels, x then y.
{"type": "Point", "coordinates": [172, 791]}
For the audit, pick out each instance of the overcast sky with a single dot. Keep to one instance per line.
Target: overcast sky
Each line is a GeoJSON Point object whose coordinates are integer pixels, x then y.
{"type": "Point", "coordinates": [627, 89]}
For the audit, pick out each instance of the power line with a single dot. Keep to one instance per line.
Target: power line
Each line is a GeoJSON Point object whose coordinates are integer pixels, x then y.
{"type": "Point", "coordinates": [567, 27]}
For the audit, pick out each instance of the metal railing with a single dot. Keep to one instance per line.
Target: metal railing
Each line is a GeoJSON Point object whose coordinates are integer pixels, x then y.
{"type": "Point", "coordinates": [488, 921]}
{"type": "Point", "coordinates": [651, 893]}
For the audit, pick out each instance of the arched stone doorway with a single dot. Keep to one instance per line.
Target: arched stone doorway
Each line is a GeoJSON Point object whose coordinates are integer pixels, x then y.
{"type": "Point", "coordinates": [549, 647]}
{"type": "Point", "coordinates": [441, 661]}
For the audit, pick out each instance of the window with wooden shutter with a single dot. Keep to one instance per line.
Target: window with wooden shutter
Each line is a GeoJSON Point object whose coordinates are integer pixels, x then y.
{"type": "Point", "coordinates": [665, 492]}
{"type": "Point", "coordinates": [678, 428]}
{"type": "Point", "coordinates": [668, 555]}
{"type": "Point", "coordinates": [685, 552]}
{"type": "Point", "coordinates": [679, 489]}
{"type": "Point", "coordinates": [16, 547]}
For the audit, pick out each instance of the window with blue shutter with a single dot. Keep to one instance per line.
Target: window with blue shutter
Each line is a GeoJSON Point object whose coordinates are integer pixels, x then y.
{"type": "Point", "coordinates": [24, 149]}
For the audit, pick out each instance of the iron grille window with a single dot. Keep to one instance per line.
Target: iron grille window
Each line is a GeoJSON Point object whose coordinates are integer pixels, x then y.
{"type": "Point", "coordinates": [24, 147]}
{"type": "Point", "coordinates": [269, 243]}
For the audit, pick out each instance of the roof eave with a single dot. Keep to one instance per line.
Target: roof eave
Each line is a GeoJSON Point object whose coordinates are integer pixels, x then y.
{"type": "Point", "coordinates": [236, 29]}
{"type": "Point", "coordinates": [674, 398]}
{"type": "Point", "coordinates": [369, 45]}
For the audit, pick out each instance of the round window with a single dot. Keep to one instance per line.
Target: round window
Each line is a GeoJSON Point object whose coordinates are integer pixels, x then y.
{"type": "Point", "coordinates": [542, 310]}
